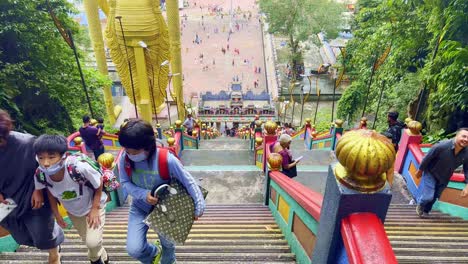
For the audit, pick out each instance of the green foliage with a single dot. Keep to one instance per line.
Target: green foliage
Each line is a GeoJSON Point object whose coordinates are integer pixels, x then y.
{"type": "Point", "coordinates": [437, 136]}
{"type": "Point", "coordinates": [39, 80]}
{"type": "Point", "coordinates": [299, 20]}
{"type": "Point", "coordinates": [428, 49]}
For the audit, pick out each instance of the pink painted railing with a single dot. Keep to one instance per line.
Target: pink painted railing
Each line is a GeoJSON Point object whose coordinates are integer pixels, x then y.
{"type": "Point", "coordinates": [71, 143]}
{"type": "Point", "coordinates": [178, 143]}
{"type": "Point", "coordinates": [308, 199]}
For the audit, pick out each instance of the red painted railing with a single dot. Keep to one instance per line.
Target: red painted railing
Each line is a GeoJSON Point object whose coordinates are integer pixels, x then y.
{"type": "Point", "coordinates": [70, 139]}
{"type": "Point", "coordinates": [177, 144]}
{"type": "Point", "coordinates": [365, 240]}
{"type": "Point", "coordinates": [308, 199]}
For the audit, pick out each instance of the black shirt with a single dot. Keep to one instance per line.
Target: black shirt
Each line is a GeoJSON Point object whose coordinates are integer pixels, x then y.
{"type": "Point", "coordinates": [441, 161]}
{"type": "Point", "coordinates": [395, 131]}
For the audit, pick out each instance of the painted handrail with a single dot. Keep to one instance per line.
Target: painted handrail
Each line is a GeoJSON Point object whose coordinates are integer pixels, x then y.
{"type": "Point", "coordinates": [308, 199]}
{"type": "Point", "coordinates": [298, 133]}
{"type": "Point", "coordinates": [71, 143]}
{"type": "Point", "coordinates": [189, 142]}
{"type": "Point", "coordinates": [323, 137]}
{"type": "Point", "coordinates": [296, 209]}
{"type": "Point", "coordinates": [365, 240]}
{"type": "Point", "coordinates": [178, 143]}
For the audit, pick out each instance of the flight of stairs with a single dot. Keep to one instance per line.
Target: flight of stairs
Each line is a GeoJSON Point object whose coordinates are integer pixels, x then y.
{"type": "Point", "coordinates": [440, 238]}
{"type": "Point", "coordinates": [224, 234]}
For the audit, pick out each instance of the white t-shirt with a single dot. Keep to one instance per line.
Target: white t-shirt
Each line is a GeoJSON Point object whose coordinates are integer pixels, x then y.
{"type": "Point", "coordinates": [67, 191]}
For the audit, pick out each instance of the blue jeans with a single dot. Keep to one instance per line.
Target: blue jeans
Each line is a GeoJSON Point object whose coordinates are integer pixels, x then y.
{"type": "Point", "coordinates": [430, 192]}
{"type": "Point", "coordinates": [137, 244]}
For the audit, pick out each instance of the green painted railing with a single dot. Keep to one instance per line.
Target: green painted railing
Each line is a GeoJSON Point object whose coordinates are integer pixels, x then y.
{"type": "Point", "coordinates": [296, 210]}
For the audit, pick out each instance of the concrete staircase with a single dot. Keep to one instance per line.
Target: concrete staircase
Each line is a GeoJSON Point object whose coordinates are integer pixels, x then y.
{"type": "Point", "coordinates": [440, 238]}
{"type": "Point", "coordinates": [225, 234]}
{"type": "Point", "coordinates": [312, 170]}
{"type": "Point", "coordinates": [225, 167]}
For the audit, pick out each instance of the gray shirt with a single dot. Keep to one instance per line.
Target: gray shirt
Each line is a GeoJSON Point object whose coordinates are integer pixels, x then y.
{"type": "Point", "coordinates": [441, 161]}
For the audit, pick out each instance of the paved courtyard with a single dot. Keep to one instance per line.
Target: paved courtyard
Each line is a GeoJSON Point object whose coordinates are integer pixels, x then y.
{"type": "Point", "coordinates": [205, 66]}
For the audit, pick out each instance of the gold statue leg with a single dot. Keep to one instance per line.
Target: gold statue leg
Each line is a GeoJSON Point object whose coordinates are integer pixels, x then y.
{"type": "Point", "coordinates": [95, 33]}
{"type": "Point", "coordinates": [173, 21]}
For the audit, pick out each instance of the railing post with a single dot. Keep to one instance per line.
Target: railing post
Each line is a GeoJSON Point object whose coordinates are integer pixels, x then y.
{"type": "Point", "coordinates": [351, 189]}
{"type": "Point", "coordinates": [158, 128]}
{"type": "Point", "coordinates": [270, 137]}
{"type": "Point", "coordinates": [275, 161]}
{"type": "Point", "coordinates": [338, 130]}
{"type": "Point", "coordinates": [307, 126]}
{"type": "Point", "coordinates": [411, 135]}
{"type": "Point", "coordinates": [180, 130]}
{"type": "Point", "coordinates": [363, 123]}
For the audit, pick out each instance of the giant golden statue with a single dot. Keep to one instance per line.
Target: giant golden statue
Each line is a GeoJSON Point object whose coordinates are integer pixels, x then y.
{"type": "Point", "coordinates": [138, 40]}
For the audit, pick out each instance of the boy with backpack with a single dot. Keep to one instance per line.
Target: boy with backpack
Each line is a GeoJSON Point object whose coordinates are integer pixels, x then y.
{"type": "Point", "coordinates": [75, 181]}
{"type": "Point", "coordinates": [142, 167]}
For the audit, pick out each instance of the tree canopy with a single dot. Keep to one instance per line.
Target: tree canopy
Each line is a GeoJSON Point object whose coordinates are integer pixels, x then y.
{"type": "Point", "coordinates": [427, 48]}
{"type": "Point", "coordinates": [299, 20]}
{"type": "Point", "coordinates": [39, 79]}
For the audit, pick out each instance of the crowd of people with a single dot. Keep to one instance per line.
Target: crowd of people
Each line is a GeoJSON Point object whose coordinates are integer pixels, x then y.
{"type": "Point", "coordinates": [39, 175]}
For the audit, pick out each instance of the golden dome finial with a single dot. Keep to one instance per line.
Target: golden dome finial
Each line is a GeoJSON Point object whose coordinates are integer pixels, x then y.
{"type": "Point", "coordinates": [339, 123]}
{"type": "Point", "coordinates": [275, 160]}
{"type": "Point", "coordinates": [171, 141]}
{"type": "Point", "coordinates": [270, 127]}
{"type": "Point", "coordinates": [414, 127]}
{"type": "Point", "coordinates": [258, 141]}
{"type": "Point", "coordinates": [178, 123]}
{"type": "Point", "coordinates": [78, 141]}
{"type": "Point", "coordinates": [364, 157]}
{"type": "Point", "coordinates": [106, 160]}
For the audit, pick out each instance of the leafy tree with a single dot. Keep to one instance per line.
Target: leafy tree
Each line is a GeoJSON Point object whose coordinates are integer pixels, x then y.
{"type": "Point", "coordinates": [427, 41]}
{"type": "Point", "coordinates": [301, 19]}
{"type": "Point", "coordinates": [39, 79]}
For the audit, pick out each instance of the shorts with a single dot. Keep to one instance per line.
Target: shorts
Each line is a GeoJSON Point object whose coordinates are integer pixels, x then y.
{"type": "Point", "coordinates": [36, 228]}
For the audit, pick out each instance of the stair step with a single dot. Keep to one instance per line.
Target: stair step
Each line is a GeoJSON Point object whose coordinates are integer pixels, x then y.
{"type": "Point", "coordinates": [212, 236]}
{"type": "Point", "coordinates": [197, 231]}
{"type": "Point", "coordinates": [435, 244]}
{"type": "Point", "coordinates": [216, 256]}
{"type": "Point", "coordinates": [137, 262]}
{"type": "Point", "coordinates": [207, 222]}
{"type": "Point", "coordinates": [80, 247]}
{"type": "Point", "coordinates": [196, 242]}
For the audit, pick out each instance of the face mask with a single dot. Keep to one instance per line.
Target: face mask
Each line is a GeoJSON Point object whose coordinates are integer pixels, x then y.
{"type": "Point", "coordinates": [137, 157]}
{"type": "Point", "coordinates": [52, 169]}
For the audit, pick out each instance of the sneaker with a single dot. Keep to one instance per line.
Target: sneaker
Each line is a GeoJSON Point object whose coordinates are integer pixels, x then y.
{"type": "Point", "coordinates": [99, 261]}
{"type": "Point", "coordinates": [157, 258]}
{"type": "Point", "coordinates": [419, 211]}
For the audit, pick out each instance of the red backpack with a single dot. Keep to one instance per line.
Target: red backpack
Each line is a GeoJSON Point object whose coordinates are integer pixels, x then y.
{"type": "Point", "coordinates": [162, 163]}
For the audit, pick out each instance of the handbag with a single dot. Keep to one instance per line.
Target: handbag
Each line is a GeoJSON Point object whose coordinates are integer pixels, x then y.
{"type": "Point", "coordinates": [173, 215]}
